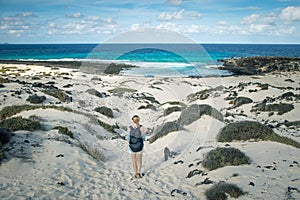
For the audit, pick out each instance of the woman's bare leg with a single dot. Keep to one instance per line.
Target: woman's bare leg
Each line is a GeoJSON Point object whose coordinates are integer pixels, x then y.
{"type": "Point", "coordinates": [133, 156]}
{"type": "Point", "coordinates": [139, 162]}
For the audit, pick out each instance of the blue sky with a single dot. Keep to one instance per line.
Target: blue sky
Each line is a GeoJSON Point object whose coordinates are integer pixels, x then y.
{"type": "Point", "coordinates": [94, 21]}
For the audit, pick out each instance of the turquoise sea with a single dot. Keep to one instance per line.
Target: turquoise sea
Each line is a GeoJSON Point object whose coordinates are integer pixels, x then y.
{"type": "Point", "coordinates": [153, 59]}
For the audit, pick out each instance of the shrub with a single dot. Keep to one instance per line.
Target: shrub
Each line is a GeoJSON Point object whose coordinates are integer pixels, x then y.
{"type": "Point", "coordinates": [148, 106]}
{"type": "Point", "coordinates": [121, 90]}
{"type": "Point", "coordinates": [105, 111]}
{"type": "Point", "coordinates": [4, 80]}
{"type": "Point", "coordinates": [64, 130]}
{"type": "Point", "coordinates": [35, 99]}
{"type": "Point", "coordinates": [19, 123]}
{"type": "Point", "coordinates": [244, 130]}
{"type": "Point", "coordinates": [164, 130]}
{"type": "Point", "coordinates": [60, 95]}
{"type": "Point", "coordinates": [221, 157]}
{"type": "Point", "coordinates": [195, 111]}
{"type": "Point", "coordinates": [107, 127]}
{"type": "Point", "coordinates": [247, 130]}
{"type": "Point", "coordinates": [9, 111]}
{"type": "Point", "coordinates": [221, 190]}
{"type": "Point", "coordinates": [96, 93]}
{"type": "Point", "coordinates": [172, 109]}
{"type": "Point", "coordinates": [92, 151]}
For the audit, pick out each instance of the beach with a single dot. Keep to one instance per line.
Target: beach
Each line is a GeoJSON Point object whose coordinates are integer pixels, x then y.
{"type": "Point", "coordinates": [73, 145]}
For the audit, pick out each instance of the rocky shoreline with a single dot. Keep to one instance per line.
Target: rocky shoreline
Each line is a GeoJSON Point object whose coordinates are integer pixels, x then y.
{"type": "Point", "coordinates": [260, 65]}
{"type": "Point", "coordinates": [238, 66]}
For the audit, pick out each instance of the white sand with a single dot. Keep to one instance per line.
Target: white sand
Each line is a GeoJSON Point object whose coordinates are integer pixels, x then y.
{"type": "Point", "coordinates": [34, 170]}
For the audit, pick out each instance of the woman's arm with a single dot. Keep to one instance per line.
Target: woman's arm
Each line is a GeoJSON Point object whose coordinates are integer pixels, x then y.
{"type": "Point", "coordinates": [127, 137]}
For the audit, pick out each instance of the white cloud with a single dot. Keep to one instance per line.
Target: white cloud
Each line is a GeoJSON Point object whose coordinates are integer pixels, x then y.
{"type": "Point", "coordinates": [167, 16]}
{"type": "Point", "coordinates": [290, 13]}
{"type": "Point", "coordinates": [222, 23]}
{"type": "Point", "coordinates": [26, 14]}
{"type": "Point", "coordinates": [93, 18]}
{"type": "Point", "coordinates": [75, 15]}
{"type": "Point", "coordinates": [175, 2]}
{"type": "Point", "coordinates": [250, 19]}
{"type": "Point", "coordinates": [195, 15]}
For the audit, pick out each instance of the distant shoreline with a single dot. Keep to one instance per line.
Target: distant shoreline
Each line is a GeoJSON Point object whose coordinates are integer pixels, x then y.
{"type": "Point", "coordinates": [237, 66]}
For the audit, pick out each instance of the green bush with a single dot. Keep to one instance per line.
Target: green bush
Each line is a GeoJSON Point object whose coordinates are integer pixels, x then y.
{"type": "Point", "coordinates": [172, 109]}
{"type": "Point", "coordinates": [105, 111]}
{"type": "Point", "coordinates": [60, 95]}
{"type": "Point", "coordinates": [9, 111]}
{"type": "Point", "coordinates": [244, 130]}
{"type": "Point", "coordinates": [221, 190]}
{"type": "Point", "coordinates": [92, 151]}
{"type": "Point", "coordinates": [107, 127]}
{"type": "Point", "coordinates": [121, 90]}
{"type": "Point", "coordinates": [64, 130]}
{"type": "Point", "coordinates": [221, 157]}
{"type": "Point", "coordinates": [247, 130]}
{"type": "Point", "coordinates": [19, 123]}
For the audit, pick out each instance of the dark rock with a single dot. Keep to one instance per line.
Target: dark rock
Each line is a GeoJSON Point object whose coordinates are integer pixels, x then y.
{"type": "Point", "coordinates": [96, 79]}
{"type": "Point", "coordinates": [178, 162]}
{"type": "Point", "coordinates": [260, 65]}
{"type": "Point", "coordinates": [194, 172]}
{"type": "Point", "coordinates": [205, 182]}
{"type": "Point", "coordinates": [169, 154]}
{"type": "Point", "coordinates": [289, 80]}
{"type": "Point", "coordinates": [105, 111]}
{"type": "Point", "coordinates": [295, 162]}
{"type": "Point", "coordinates": [1, 85]}
{"type": "Point", "coordinates": [59, 155]}
{"type": "Point", "coordinates": [294, 123]}
{"type": "Point", "coordinates": [26, 141]}
{"type": "Point", "coordinates": [35, 99]}
{"type": "Point", "coordinates": [241, 101]}
{"type": "Point", "coordinates": [149, 106]}
{"type": "Point", "coordinates": [251, 183]}
{"type": "Point", "coordinates": [164, 130]}
{"type": "Point", "coordinates": [96, 93]}
{"type": "Point", "coordinates": [68, 86]}
{"type": "Point", "coordinates": [280, 108]}
{"type": "Point", "coordinates": [178, 192]}
{"type": "Point", "coordinates": [5, 135]}
{"type": "Point", "coordinates": [191, 165]}
{"type": "Point", "coordinates": [60, 183]}
{"type": "Point", "coordinates": [195, 111]}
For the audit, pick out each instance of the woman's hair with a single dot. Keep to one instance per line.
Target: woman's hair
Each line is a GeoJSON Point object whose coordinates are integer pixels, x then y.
{"type": "Point", "coordinates": [134, 116]}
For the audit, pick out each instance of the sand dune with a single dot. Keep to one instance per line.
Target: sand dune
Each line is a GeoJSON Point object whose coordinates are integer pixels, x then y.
{"type": "Point", "coordinates": [48, 164]}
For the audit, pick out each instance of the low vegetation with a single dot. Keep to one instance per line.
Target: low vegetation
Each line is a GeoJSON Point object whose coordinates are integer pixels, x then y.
{"type": "Point", "coordinates": [221, 157]}
{"type": "Point", "coordinates": [121, 90]}
{"type": "Point", "coordinates": [64, 131]}
{"type": "Point", "coordinates": [105, 111]}
{"type": "Point", "coordinates": [248, 130]}
{"type": "Point", "coordinates": [221, 190]}
{"type": "Point", "coordinates": [19, 123]}
{"type": "Point", "coordinates": [9, 111]}
{"type": "Point", "coordinates": [280, 108]}
{"type": "Point", "coordinates": [93, 151]}
{"type": "Point", "coordinates": [59, 94]}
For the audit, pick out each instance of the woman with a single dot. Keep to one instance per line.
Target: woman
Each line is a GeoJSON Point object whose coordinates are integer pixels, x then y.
{"type": "Point", "coordinates": [136, 135]}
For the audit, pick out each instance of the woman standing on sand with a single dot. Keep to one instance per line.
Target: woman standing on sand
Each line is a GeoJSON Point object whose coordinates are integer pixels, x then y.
{"type": "Point", "coordinates": [136, 135]}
